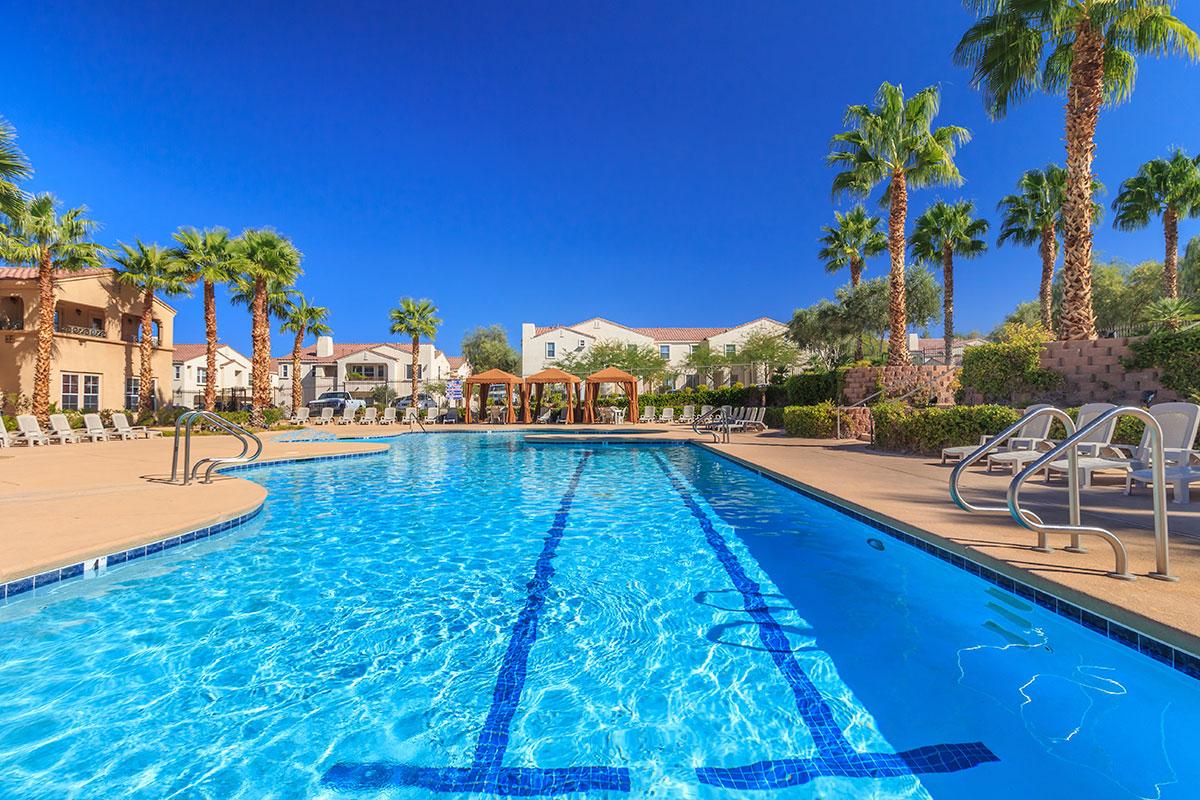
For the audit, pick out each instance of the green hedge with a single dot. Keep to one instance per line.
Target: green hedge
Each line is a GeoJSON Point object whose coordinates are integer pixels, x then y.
{"type": "Point", "coordinates": [807, 389]}
{"type": "Point", "coordinates": [811, 422]}
{"type": "Point", "coordinates": [1176, 354]}
{"type": "Point", "coordinates": [736, 395]}
{"type": "Point", "coordinates": [1001, 371]}
{"type": "Point", "coordinates": [927, 430]}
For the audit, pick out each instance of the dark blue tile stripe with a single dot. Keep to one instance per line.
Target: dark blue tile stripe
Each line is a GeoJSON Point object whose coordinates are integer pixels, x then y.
{"type": "Point", "coordinates": [1181, 660]}
{"type": "Point", "coordinates": [487, 773]}
{"type": "Point", "coordinates": [835, 754]}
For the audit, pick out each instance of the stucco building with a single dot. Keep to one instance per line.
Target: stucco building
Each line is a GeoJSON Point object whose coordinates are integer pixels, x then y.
{"type": "Point", "coordinates": [190, 377]}
{"type": "Point", "coordinates": [97, 326]}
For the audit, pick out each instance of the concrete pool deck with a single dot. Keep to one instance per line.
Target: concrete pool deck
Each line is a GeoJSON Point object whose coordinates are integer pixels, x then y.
{"type": "Point", "coordinates": [60, 504]}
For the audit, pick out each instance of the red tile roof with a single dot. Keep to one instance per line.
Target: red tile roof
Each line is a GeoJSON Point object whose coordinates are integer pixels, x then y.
{"type": "Point", "coordinates": [309, 354]}
{"type": "Point", "coordinates": [31, 273]}
{"type": "Point", "coordinates": [186, 352]}
{"type": "Point", "coordinates": [456, 361]}
{"type": "Point", "coordinates": [680, 334]}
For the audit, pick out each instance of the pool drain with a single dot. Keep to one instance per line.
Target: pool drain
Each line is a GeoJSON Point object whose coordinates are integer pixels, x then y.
{"type": "Point", "coordinates": [878, 545]}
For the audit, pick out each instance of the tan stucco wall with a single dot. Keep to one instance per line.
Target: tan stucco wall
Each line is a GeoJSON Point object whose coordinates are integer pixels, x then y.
{"type": "Point", "coordinates": [110, 357]}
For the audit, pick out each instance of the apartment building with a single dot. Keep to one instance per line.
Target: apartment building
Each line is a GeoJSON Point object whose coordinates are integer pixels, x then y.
{"type": "Point", "coordinates": [543, 346]}
{"type": "Point", "coordinates": [190, 378]}
{"type": "Point", "coordinates": [97, 327]}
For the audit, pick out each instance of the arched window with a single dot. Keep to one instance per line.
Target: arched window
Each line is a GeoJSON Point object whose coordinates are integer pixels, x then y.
{"type": "Point", "coordinates": [12, 313]}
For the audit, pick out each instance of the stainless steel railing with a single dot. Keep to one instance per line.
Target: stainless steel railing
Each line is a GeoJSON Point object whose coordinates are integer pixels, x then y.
{"type": "Point", "coordinates": [183, 430]}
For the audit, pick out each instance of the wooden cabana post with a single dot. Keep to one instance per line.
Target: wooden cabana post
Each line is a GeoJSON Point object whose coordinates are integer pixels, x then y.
{"type": "Point", "coordinates": [571, 384]}
{"type": "Point", "coordinates": [627, 382]}
{"type": "Point", "coordinates": [485, 381]}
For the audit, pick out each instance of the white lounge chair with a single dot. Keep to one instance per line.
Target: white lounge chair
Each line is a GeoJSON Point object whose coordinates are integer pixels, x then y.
{"type": "Point", "coordinates": [370, 416]}
{"type": "Point", "coordinates": [647, 414]}
{"type": "Point", "coordinates": [411, 415]}
{"type": "Point", "coordinates": [325, 418]}
{"type": "Point", "coordinates": [705, 410]}
{"type": "Point", "coordinates": [667, 415]}
{"type": "Point", "coordinates": [347, 417]}
{"type": "Point", "coordinates": [1026, 438]}
{"type": "Point", "coordinates": [301, 416]}
{"type": "Point", "coordinates": [432, 413]}
{"type": "Point", "coordinates": [1092, 445]}
{"type": "Point", "coordinates": [122, 426]}
{"type": "Point", "coordinates": [1179, 422]}
{"type": "Point", "coordinates": [5, 440]}
{"type": "Point", "coordinates": [29, 432]}
{"type": "Point", "coordinates": [93, 427]}
{"type": "Point", "coordinates": [61, 429]}
{"type": "Point", "coordinates": [687, 416]}
{"type": "Point", "coordinates": [544, 417]}
{"type": "Point", "coordinates": [389, 416]}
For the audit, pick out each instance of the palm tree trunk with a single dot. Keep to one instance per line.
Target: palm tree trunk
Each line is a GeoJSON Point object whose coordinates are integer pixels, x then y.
{"type": "Point", "coordinates": [210, 333]}
{"type": "Point", "coordinates": [416, 364]}
{"type": "Point", "coordinates": [1085, 94]}
{"type": "Point", "coordinates": [856, 271]}
{"type": "Point", "coordinates": [45, 340]}
{"type": "Point", "coordinates": [146, 353]}
{"type": "Point", "coordinates": [297, 389]}
{"type": "Point", "coordinates": [948, 301]}
{"type": "Point", "coordinates": [1046, 291]}
{"type": "Point", "coordinates": [1171, 258]}
{"type": "Point", "coordinates": [897, 317]}
{"type": "Point", "coordinates": [260, 358]}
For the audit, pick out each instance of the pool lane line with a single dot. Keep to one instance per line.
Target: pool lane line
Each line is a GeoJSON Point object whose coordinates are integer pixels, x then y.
{"type": "Point", "coordinates": [835, 756]}
{"type": "Point", "coordinates": [487, 772]}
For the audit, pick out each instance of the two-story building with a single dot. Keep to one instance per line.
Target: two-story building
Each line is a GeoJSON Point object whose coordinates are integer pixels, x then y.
{"type": "Point", "coordinates": [361, 369]}
{"type": "Point", "coordinates": [190, 378]}
{"type": "Point", "coordinates": [543, 346]}
{"type": "Point", "coordinates": [97, 327]}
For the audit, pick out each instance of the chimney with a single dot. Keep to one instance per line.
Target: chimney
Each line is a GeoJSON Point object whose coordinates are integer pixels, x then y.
{"type": "Point", "coordinates": [914, 342]}
{"type": "Point", "coordinates": [324, 346]}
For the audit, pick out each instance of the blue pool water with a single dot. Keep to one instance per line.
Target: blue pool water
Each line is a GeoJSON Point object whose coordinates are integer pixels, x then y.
{"type": "Point", "coordinates": [477, 616]}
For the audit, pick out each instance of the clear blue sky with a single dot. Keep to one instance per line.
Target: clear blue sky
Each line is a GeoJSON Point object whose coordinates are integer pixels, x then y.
{"type": "Point", "coordinates": [656, 163]}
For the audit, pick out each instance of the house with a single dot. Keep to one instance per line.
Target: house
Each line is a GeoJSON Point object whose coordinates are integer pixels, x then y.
{"type": "Point", "coordinates": [96, 362]}
{"type": "Point", "coordinates": [190, 376]}
{"type": "Point", "coordinates": [367, 370]}
{"type": "Point", "coordinates": [933, 351]}
{"type": "Point", "coordinates": [541, 346]}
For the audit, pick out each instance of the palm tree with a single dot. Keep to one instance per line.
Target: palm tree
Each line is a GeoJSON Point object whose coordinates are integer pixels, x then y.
{"type": "Point", "coordinates": [415, 318]}
{"type": "Point", "coordinates": [944, 231]}
{"type": "Point", "coordinates": [13, 167]}
{"type": "Point", "coordinates": [209, 257]}
{"type": "Point", "coordinates": [156, 271]}
{"type": "Point", "coordinates": [266, 261]}
{"type": "Point", "coordinates": [894, 143]}
{"type": "Point", "coordinates": [38, 236]}
{"type": "Point", "coordinates": [1031, 217]}
{"type": "Point", "coordinates": [1086, 49]}
{"type": "Point", "coordinates": [854, 239]}
{"type": "Point", "coordinates": [1169, 188]}
{"type": "Point", "coordinates": [302, 319]}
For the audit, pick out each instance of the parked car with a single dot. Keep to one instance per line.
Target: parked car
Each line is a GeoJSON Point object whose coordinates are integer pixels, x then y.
{"type": "Point", "coordinates": [423, 401]}
{"type": "Point", "coordinates": [338, 401]}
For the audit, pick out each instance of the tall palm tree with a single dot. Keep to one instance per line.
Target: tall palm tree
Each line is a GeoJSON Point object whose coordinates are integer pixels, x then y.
{"type": "Point", "coordinates": [944, 231]}
{"type": "Point", "coordinates": [1030, 217]}
{"type": "Point", "coordinates": [210, 258]}
{"type": "Point", "coordinates": [38, 236]}
{"type": "Point", "coordinates": [265, 259]}
{"type": "Point", "coordinates": [1169, 188]}
{"type": "Point", "coordinates": [854, 239]}
{"type": "Point", "coordinates": [415, 318]}
{"type": "Point", "coordinates": [13, 167]}
{"type": "Point", "coordinates": [1088, 50]}
{"type": "Point", "coordinates": [894, 143]}
{"type": "Point", "coordinates": [302, 319]}
{"type": "Point", "coordinates": [156, 272]}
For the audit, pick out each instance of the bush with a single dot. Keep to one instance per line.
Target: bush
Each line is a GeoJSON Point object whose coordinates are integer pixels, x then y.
{"type": "Point", "coordinates": [811, 422]}
{"type": "Point", "coordinates": [806, 389]}
{"type": "Point", "coordinates": [1176, 354]}
{"type": "Point", "coordinates": [736, 395]}
{"type": "Point", "coordinates": [1003, 370]}
{"type": "Point", "coordinates": [927, 430]}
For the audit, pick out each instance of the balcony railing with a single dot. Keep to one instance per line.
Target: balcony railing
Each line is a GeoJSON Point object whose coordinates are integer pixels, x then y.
{"type": "Point", "coordinates": [80, 330]}
{"type": "Point", "coordinates": [11, 324]}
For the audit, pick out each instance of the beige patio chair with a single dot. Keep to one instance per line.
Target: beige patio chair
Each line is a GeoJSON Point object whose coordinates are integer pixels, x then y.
{"type": "Point", "coordinates": [1027, 438]}
{"type": "Point", "coordinates": [61, 429]}
{"type": "Point", "coordinates": [389, 416]}
{"type": "Point", "coordinates": [122, 426]}
{"type": "Point", "coordinates": [29, 432]}
{"type": "Point", "coordinates": [370, 416]}
{"type": "Point", "coordinates": [93, 427]}
{"type": "Point", "coordinates": [1092, 445]}
{"type": "Point", "coordinates": [1179, 422]}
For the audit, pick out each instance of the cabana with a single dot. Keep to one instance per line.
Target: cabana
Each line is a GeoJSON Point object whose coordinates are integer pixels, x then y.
{"type": "Point", "coordinates": [485, 381]}
{"type": "Point", "coordinates": [627, 382]}
{"type": "Point", "coordinates": [538, 382]}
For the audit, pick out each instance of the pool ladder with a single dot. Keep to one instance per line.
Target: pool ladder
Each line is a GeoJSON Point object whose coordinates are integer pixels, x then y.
{"type": "Point", "coordinates": [1027, 519]}
{"type": "Point", "coordinates": [191, 471]}
{"type": "Point", "coordinates": [718, 419]}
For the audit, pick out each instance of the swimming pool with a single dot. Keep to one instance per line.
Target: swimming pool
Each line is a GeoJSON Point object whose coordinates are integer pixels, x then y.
{"type": "Point", "coordinates": [475, 615]}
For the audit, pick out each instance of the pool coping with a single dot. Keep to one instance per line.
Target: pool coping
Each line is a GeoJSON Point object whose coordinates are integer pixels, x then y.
{"type": "Point", "coordinates": [22, 588]}
{"type": "Point", "coordinates": [1181, 659]}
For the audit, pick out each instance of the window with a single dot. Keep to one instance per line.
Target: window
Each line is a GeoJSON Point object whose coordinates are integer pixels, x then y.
{"type": "Point", "coordinates": [178, 372]}
{"type": "Point", "coordinates": [70, 391]}
{"type": "Point", "coordinates": [366, 372]}
{"type": "Point", "coordinates": [582, 344]}
{"type": "Point", "coordinates": [285, 371]}
{"type": "Point", "coordinates": [132, 389]}
{"type": "Point", "coordinates": [549, 349]}
{"type": "Point", "coordinates": [408, 372]}
{"type": "Point", "coordinates": [731, 349]}
{"type": "Point", "coordinates": [202, 375]}
{"type": "Point", "coordinates": [91, 392]}
{"type": "Point", "coordinates": [664, 350]}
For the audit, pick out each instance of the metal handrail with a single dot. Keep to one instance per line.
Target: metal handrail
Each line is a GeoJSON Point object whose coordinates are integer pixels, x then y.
{"type": "Point", "coordinates": [1162, 569]}
{"type": "Point", "coordinates": [185, 422]}
{"type": "Point", "coordinates": [711, 413]}
{"type": "Point", "coordinates": [929, 382]}
{"type": "Point", "coordinates": [995, 442]}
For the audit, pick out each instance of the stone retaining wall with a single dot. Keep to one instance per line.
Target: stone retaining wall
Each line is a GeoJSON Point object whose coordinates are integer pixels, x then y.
{"type": "Point", "coordinates": [861, 382]}
{"type": "Point", "coordinates": [1092, 372]}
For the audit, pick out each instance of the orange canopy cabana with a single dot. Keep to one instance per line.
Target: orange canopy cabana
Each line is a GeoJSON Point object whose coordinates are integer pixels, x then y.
{"type": "Point", "coordinates": [627, 382]}
{"type": "Point", "coordinates": [485, 381]}
{"type": "Point", "coordinates": [570, 382]}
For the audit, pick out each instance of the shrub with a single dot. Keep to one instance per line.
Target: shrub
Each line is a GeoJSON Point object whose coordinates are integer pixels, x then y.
{"type": "Point", "coordinates": [811, 422]}
{"type": "Point", "coordinates": [1176, 354]}
{"type": "Point", "coordinates": [736, 395]}
{"type": "Point", "coordinates": [927, 430]}
{"type": "Point", "coordinates": [806, 389]}
{"type": "Point", "coordinates": [1002, 370]}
